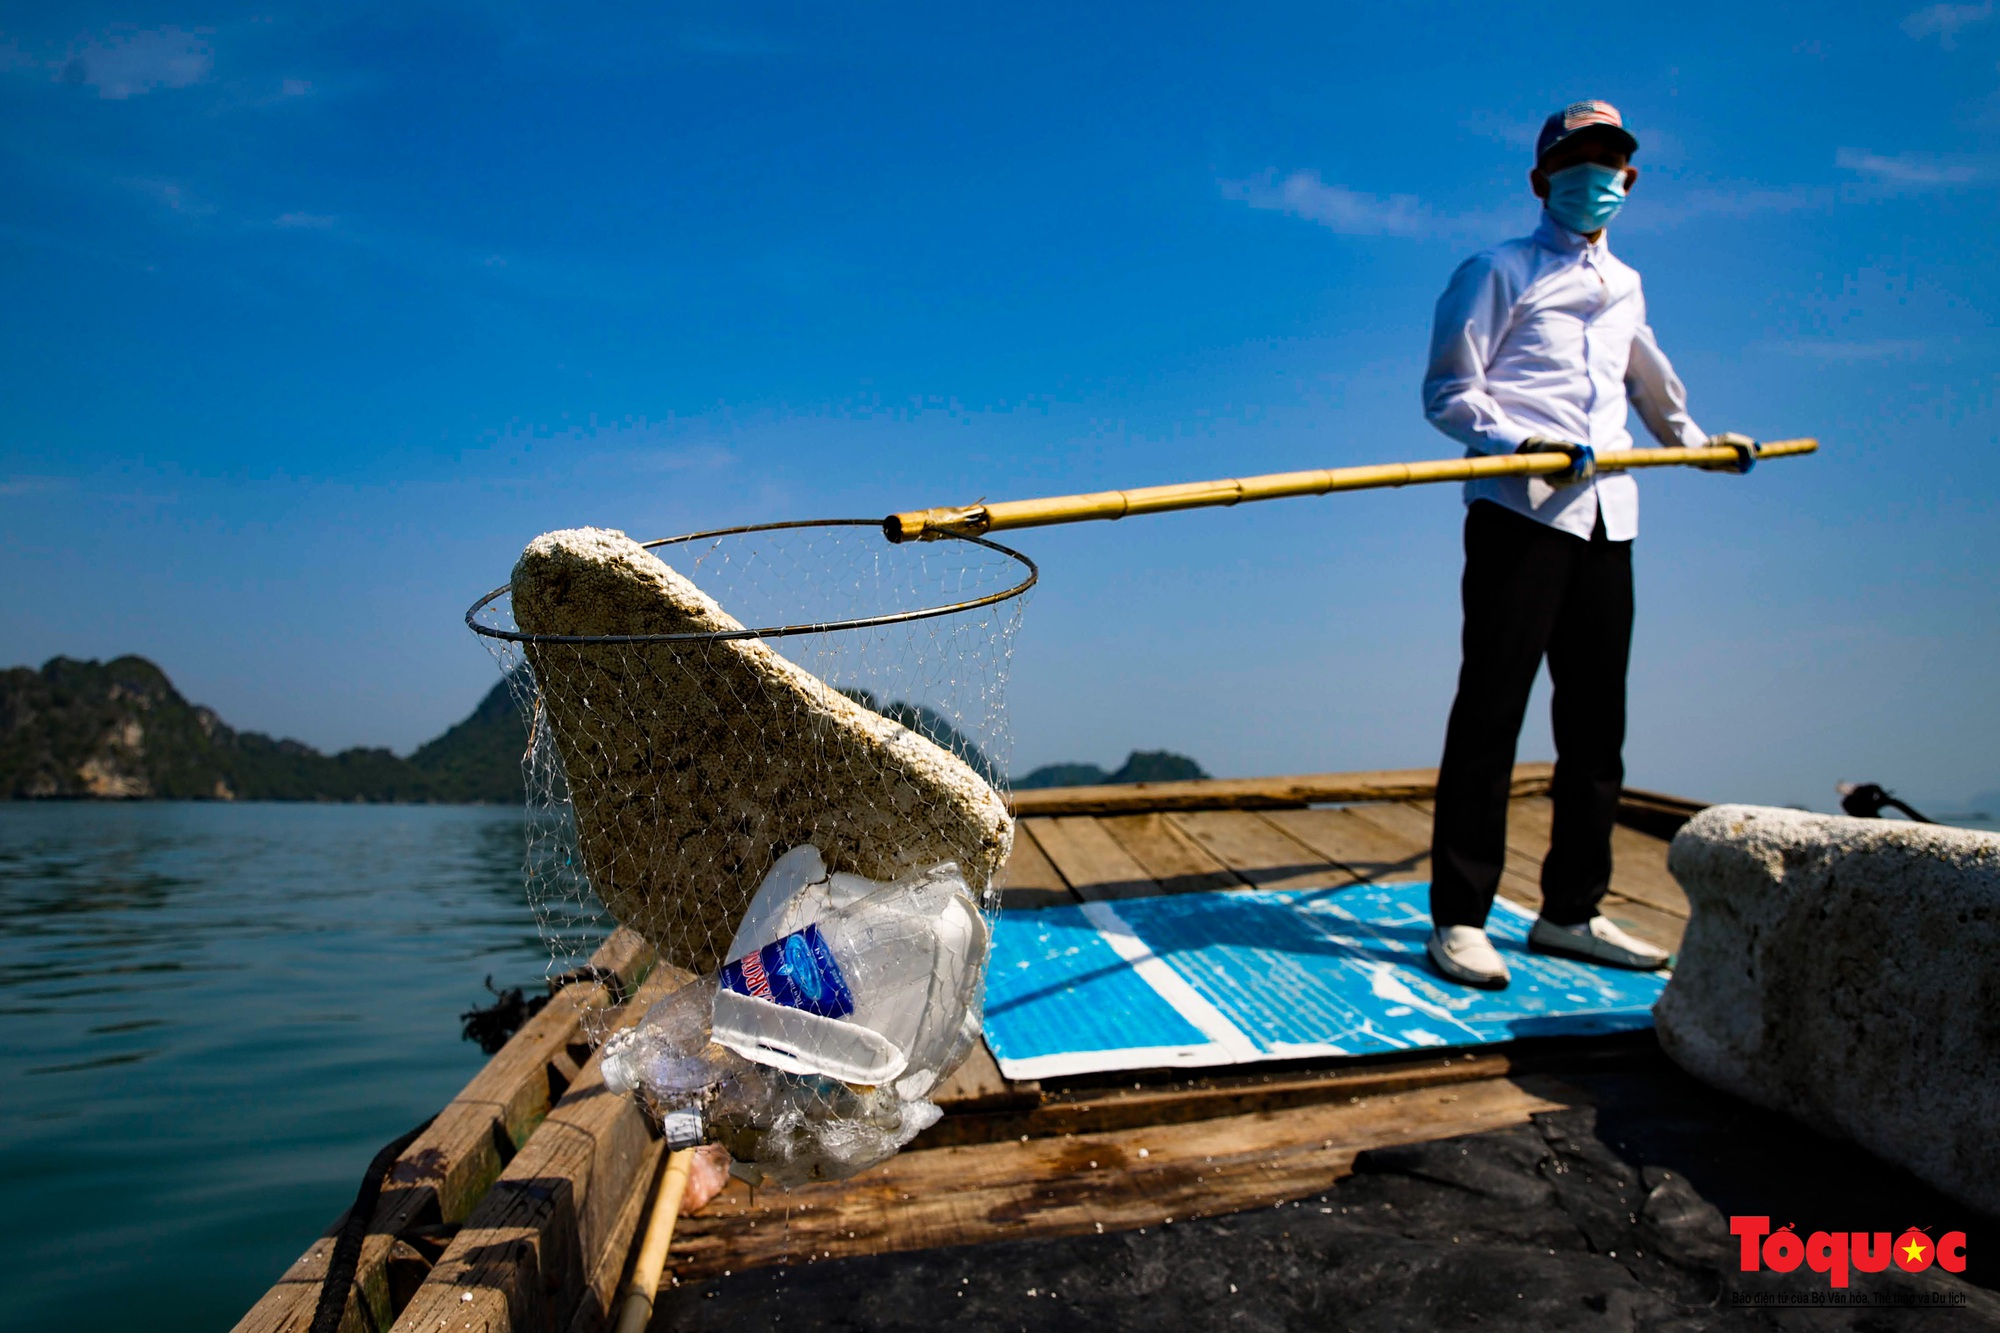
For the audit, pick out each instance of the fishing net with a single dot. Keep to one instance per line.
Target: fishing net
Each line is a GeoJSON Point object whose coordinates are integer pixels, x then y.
{"type": "Point", "coordinates": [776, 753]}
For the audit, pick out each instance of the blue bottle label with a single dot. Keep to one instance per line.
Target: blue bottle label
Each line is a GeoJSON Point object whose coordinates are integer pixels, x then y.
{"type": "Point", "coordinates": [796, 971]}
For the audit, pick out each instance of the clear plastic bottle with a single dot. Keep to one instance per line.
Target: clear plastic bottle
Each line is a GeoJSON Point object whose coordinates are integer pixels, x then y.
{"type": "Point", "coordinates": [884, 986]}
{"type": "Point", "coordinates": [669, 1052]}
{"type": "Point", "coordinates": [873, 992]}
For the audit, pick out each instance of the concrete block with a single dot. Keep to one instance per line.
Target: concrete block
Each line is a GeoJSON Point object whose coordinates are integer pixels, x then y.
{"type": "Point", "coordinates": [1847, 972]}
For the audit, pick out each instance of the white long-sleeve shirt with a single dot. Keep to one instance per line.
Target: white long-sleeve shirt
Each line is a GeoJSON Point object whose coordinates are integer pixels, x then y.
{"type": "Point", "coordinates": [1547, 335]}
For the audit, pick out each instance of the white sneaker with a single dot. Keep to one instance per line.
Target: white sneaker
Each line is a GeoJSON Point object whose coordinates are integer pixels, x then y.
{"type": "Point", "coordinates": [1596, 941]}
{"type": "Point", "coordinates": [1465, 955]}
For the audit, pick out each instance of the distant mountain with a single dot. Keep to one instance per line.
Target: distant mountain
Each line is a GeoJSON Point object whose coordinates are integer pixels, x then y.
{"type": "Point", "coordinates": [1139, 766]}
{"type": "Point", "coordinates": [1981, 811]}
{"type": "Point", "coordinates": [479, 760]}
{"type": "Point", "coordinates": [120, 729]}
{"type": "Point", "coordinates": [931, 725]}
{"type": "Point", "coordinates": [1064, 775]}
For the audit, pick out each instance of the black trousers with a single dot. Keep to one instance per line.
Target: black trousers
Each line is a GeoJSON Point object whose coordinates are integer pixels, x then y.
{"type": "Point", "coordinates": [1530, 590]}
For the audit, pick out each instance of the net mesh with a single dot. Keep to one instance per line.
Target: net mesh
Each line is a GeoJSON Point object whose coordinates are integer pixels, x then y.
{"type": "Point", "coordinates": [844, 776]}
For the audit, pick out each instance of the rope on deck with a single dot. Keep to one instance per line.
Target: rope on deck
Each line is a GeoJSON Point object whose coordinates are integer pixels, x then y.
{"type": "Point", "coordinates": [347, 1249]}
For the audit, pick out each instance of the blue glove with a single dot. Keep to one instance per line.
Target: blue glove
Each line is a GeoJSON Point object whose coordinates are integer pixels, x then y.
{"type": "Point", "coordinates": [1582, 459]}
{"type": "Point", "coordinates": [1746, 453]}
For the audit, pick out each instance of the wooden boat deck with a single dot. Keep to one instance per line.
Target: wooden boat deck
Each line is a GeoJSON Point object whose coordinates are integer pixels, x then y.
{"type": "Point", "coordinates": [517, 1209]}
{"type": "Point", "coordinates": [1083, 843]}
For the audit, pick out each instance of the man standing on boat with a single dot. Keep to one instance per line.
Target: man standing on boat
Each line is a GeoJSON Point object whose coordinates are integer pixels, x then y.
{"type": "Point", "coordinates": [1537, 346]}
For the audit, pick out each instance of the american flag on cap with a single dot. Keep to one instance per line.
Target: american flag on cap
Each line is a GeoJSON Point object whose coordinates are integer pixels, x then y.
{"type": "Point", "coordinates": [1582, 116]}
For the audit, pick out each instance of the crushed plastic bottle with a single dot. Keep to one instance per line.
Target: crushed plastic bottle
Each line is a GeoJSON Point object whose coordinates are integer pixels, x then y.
{"type": "Point", "coordinates": [829, 1135]}
{"type": "Point", "coordinates": [844, 1002]}
{"type": "Point", "coordinates": [876, 990]}
{"type": "Point", "coordinates": [669, 1053]}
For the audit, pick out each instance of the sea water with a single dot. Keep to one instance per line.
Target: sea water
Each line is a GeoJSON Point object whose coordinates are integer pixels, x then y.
{"type": "Point", "coordinates": [211, 1017]}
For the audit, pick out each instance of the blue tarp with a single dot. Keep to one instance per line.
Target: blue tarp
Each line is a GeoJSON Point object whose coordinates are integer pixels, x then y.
{"type": "Point", "coordinates": [1228, 978]}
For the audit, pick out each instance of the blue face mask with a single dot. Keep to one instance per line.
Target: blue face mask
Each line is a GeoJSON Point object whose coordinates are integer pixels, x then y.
{"type": "Point", "coordinates": [1584, 198]}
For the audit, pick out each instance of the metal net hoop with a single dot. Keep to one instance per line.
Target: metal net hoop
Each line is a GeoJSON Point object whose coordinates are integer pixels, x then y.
{"type": "Point", "coordinates": [919, 633]}
{"type": "Point", "coordinates": [485, 617]}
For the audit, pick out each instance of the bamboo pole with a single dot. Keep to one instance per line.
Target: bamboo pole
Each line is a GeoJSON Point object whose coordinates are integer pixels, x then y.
{"type": "Point", "coordinates": [645, 1285]}
{"type": "Point", "coordinates": [977, 520]}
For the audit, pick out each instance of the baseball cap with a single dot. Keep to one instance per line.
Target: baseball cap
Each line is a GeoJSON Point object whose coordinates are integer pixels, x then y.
{"type": "Point", "coordinates": [1580, 116]}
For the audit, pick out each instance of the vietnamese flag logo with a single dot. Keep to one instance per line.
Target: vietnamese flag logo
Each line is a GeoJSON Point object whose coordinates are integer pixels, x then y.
{"type": "Point", "coordinates": [1836, 1253]}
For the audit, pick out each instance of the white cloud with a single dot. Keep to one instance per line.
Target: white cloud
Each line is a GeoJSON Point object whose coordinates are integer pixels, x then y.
{"type": "Point", "coordinates": [294, 88]}
{"type": "Point", "coordinates": [1350, 212]}
{"type": "Point", "coordinates": [306, 221]}
{"type": "Point", "coordinates": [1658, 210]}
{"type": "Point", "coordinates": [1905, 170]}
{"type": "Point", "coordinates": [1356, 213]}
{"type": "Point", "coordinates": [1944, 21]}
{"type": "Point", "coordinates": [125, 62]}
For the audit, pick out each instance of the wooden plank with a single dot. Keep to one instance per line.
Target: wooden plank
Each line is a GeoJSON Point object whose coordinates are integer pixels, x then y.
{"type": "Point", "coordinates": [1518, 883]}
{"type": "Point", "coordinates": [1027, 880]}
{"type": "Point", "coordinates": [448, 1169]}
{"type": "Point", "coordinates": [1208, 1096]}
{"type": "Point", "coordinates": [1639, 872]}
{"type": "Point", "coordinates": [1369, 851]}
{"type": "Point", "coordinates": [1408, 822]}
{"type": "Point", "coordinates": [542, 1249]}
{"type": "Point", "coordinates": [1412, 819]}
{"type": "Point", "coordinates": [1180, 864]}
{"type": "Point", "coordinates": [978, 1086]}
{"type": "Point", "coordinates": [1259, 852]}
{"type": "Point", "coordinates": [612, 1265]}
{"type": "Point", "coordinates": [1528, 823]}
{"type": "Point", "coordinates": [1255, 793]}
{"type": "Point", "coordinates": [1656, 813]}
{"type": "Point", "coordinates": [1520, 891]}
{"type": "Point", "coordinates": [1638, 860]}
{"type": "Point", "coordinates": [1085, 1183]}
{"type": "Point", "coordinates": [1095, 866]}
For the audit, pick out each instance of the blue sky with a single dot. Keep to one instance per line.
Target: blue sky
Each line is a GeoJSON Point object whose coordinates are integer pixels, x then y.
{"type": "Point", "coordinates": [311, 317]}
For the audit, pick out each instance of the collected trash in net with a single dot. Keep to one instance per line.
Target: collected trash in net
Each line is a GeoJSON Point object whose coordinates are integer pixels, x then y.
{"type": "Point", "coordinates": [814, 1052]}
{"type": "Point", "coordinates": [802, 816]}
